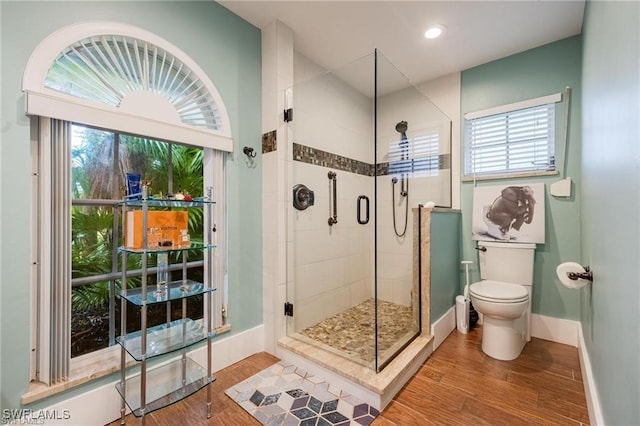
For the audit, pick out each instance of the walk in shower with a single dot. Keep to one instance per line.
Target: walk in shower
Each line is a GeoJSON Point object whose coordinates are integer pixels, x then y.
{"type": "Point", "coordinates": [367, 148]}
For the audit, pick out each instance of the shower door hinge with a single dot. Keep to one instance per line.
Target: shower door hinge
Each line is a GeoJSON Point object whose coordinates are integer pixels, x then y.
{"type": "Point", "coordinates": [288, 115]}
{"type": "Point", "coordinates": [288, 309]}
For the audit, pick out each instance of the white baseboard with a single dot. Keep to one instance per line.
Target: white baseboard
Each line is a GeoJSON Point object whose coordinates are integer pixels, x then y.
{"type": "Point", "coordinates": [590, 390]}
{"type": "Point", "coordinates": [555, 329]}
{"type": "Point", "coordinates": [101, 405]}
{"type": "Point", "coordinates": [443, 326]}
{"type": "Point", "coordinates": [543, 327]}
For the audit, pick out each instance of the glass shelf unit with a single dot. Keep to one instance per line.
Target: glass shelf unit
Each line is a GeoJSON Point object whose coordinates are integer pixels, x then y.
{"type": "Point", "coordinates": [158, 386]}
{"type": "Point", "coordinates": [165, 385]}
{"type": "Point", "coordinates": [175, 290]}
{"type": "Point", "coordinates": [165, 338]}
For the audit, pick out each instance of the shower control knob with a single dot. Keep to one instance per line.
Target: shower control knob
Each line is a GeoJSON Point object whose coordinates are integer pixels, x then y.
{"type": "Point", "coordinates": [303, 197]}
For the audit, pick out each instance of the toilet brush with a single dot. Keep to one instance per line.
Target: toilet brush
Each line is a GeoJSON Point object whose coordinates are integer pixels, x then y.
{"type": "Point", "coordinates": [465, 293]}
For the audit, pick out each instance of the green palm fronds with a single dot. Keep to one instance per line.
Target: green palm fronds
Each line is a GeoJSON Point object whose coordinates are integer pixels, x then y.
{"type": "Point", "coordinates": [94, 177]}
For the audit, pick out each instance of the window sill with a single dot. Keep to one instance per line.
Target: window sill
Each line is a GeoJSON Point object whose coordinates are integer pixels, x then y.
{"type": "Point", "coordinates": [83, 369]}
{"type": "Point", "coordinates": [510, 176]}
{"type": "Point", "coordinates": [86, 368]}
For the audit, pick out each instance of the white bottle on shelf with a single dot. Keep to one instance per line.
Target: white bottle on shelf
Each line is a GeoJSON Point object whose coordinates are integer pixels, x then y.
{"type": "Point", "coordinates": [162, 275]}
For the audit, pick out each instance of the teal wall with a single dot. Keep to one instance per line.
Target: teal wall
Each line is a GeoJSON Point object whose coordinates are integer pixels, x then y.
{"type": "Point", "coordinates": [446, 236]}
{"type": "Point", "coordinates": [611, 200]}
{"type": "Point", "coordinates": [228, 49]}
{"type": "Point", "coordinates": [534, 73]}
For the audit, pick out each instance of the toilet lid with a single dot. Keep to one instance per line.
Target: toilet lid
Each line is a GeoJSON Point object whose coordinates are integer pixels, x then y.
{"type": "Point", "coordinates": [499, 291]}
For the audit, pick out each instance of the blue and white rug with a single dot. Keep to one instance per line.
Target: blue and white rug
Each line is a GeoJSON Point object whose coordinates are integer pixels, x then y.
{"type": "Point", "coordinates": [284, 394]}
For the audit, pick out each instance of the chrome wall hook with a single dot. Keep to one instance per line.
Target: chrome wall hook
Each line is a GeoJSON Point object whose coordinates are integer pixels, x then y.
{"type": "Point", "coordinates": [249, 152]}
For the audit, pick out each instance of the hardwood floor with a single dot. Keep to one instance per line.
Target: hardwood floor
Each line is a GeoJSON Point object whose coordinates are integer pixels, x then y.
{"type": "Point", "coordinates": [460, 385]}
{"type": "Point", "coordinates": [457, 385]}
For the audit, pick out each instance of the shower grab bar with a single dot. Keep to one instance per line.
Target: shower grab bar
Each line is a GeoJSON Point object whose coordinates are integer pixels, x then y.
{"type": "Point", "coordinates": [359, 208]}
{"type": "Point", "coordinates": [333, 185]}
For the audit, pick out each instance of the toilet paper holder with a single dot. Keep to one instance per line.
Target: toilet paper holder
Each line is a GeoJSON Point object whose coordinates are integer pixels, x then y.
{"type": "Point", "coordinates": [586, 275]}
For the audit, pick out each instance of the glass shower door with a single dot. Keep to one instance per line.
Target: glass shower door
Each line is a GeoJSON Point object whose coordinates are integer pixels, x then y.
{"type": "Point", "coordinates": [366, 148]}
{"type": "Point", "coordinates": [332, 241]}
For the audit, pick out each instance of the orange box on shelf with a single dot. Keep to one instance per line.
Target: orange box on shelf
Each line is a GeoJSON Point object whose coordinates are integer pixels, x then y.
{"type": "Point", "coordinates": [164, 229]}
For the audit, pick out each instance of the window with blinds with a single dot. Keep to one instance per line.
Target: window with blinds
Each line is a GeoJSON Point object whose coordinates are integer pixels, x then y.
{"type": "Point", "coordinates": [418, 156]}
{"type": "Point", "coordinates": [510, 142]}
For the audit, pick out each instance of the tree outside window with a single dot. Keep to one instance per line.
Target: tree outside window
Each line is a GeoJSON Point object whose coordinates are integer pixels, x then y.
{"type": "Point", "coordinates": [100, 161]}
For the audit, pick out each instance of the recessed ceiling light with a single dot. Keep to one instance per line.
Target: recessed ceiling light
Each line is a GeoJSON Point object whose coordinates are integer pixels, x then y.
{"type": "Point", "coordinates": [435, 31]}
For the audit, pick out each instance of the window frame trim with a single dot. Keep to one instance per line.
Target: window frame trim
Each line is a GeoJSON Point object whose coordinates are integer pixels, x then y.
{"type": "Point", "coordinates": [529, 103]}
{"type": "Point", "coordinates": [67, 108]}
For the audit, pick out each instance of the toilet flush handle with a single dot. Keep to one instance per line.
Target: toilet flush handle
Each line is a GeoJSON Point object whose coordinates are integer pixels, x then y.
{"type": "Point", "coordinates": [481, 248]}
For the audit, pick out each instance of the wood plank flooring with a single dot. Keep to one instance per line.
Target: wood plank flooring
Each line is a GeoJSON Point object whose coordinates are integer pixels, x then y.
{"type": "Point", "coordinates": [460, 385]}
{"type": "Point", "coordinates": [457, 385]}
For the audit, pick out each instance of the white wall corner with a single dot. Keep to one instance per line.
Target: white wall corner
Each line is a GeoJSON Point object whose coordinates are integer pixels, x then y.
{"type": "Point", "coordinates": [588, 380]}
{"type": "Point", "coordinates": [443, 326]}
{"type": "Point", "coordinates": [555, 329]}
{"type": "Point", "coordinates": [269, 78]}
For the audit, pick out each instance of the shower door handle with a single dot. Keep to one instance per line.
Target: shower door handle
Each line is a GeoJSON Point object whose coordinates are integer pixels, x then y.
{"type": "Point", "coordinates": [359, 208]}
{"type": "Point", "coordinates": [333, 219]}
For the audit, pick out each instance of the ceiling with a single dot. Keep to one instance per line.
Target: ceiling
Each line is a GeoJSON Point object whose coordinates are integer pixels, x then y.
{"type": "Point", "coordinates": [335, 33]}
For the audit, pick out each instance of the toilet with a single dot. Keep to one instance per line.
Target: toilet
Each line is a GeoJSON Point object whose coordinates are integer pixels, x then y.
{"type": "Point", "coordinates": [503, 297]}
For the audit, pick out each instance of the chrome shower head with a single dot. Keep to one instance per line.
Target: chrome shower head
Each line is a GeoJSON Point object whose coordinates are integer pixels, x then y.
{"type": "Point", "coordinates": [401, 127]}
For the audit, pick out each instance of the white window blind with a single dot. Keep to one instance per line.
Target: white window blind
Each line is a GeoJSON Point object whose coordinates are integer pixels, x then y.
{"type": "Point", "coordinates": [54, 252]}
{"type": "Point", "coordinates": [509, 142]}
{"type": "Point", "coordinates": [419, 156]}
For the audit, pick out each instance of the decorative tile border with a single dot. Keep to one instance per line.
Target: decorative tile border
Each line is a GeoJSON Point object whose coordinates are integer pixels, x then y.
{"type": "Point", "coordinates": [269, 142]}
{"type": "Point", "coordinates": [284, 394]}
{"type": "Point", "coordinates": [318, 157]}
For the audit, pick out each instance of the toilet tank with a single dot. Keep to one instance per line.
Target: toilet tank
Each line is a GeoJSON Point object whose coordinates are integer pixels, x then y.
{"type": "Point", "coordinates": [507, 262]}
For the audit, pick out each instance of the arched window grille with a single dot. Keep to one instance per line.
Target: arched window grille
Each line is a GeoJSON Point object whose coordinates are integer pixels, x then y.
{"type": "Point", "coordinates": [124, 78]}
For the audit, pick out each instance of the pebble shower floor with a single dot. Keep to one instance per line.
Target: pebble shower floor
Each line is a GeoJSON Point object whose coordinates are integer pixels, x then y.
{"type": "Point", "coordinates": [351, 331]}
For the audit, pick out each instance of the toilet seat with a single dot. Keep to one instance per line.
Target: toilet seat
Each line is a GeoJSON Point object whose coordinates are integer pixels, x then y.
{"type": "Point", "coordinates": [498, 292]}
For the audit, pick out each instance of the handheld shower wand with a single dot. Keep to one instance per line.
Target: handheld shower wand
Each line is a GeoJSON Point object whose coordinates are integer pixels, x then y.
{"type": "Point", "coordinates": [401, 128]}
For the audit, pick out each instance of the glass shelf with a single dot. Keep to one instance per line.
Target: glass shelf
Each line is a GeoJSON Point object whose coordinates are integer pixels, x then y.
{"type": "Point", "coordinates": [164, 386]}
{"type": "Point", "coordinates": [192, 246]}
{"type": "Point", "coordinates": [167, 203]}
{"type": "Point", "coordinates": [175, 290]}
{"type": "Point", "coordinates": [164, 338]}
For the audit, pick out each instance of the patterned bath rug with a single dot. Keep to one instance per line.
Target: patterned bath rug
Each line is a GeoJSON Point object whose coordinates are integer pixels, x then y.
{"type": "Point", "coordinates": [286, 395]}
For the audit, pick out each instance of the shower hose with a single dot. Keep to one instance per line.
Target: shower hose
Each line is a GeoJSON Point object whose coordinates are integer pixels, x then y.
{"type": "Point", "coordinates": [393, 209]}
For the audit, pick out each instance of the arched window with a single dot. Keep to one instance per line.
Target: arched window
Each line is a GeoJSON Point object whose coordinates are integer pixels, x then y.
{"type": "Point", "coordinates": [115, 86]}
{"type": "Point", "coordinates": [124, 78]}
